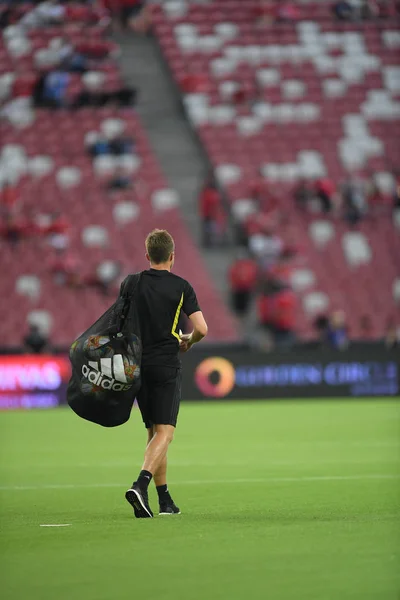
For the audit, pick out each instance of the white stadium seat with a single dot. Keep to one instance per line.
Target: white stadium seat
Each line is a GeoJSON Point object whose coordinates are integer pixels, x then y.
{"type": "Point", "coordinates": [302, 279]}
{"type": "Point", "coordinates": [321, 232]}
{"type": "Point", "coordinates": [241, 209]}
{"type": "Point", "coordinates": [315, 303]}
{"type": "Point", "coordinates": [226, 31]}
{"type": "Point", "coordinates": [40, 165]}
{"type": "Point", "coordinates": [29, 286]}
{"type": "Point", "coordinates": [68, 177]}
{"type": "Point", "coordinates": [104, 165]}
{"type": "Point", "coordinates": [227, 174]}
{"type": "Point", "coordinates": [43, 319]}
{"type": "Point", "coordinates": [165, 199]}
{"type": "Point", "coordinates": [112, 127]}
{"type": "Point", "coordinates": [175, 9]}
{"type": "Point", "coordinates": [396, 290]}
{"type": "Point", "coordinates": [95, 236]}
{"type": "Point", "coordinates": [356, 248]}
{"type": "Point", "coordinates": [125, 212]}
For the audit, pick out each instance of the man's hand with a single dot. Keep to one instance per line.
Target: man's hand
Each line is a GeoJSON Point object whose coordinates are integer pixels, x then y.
{"type": "Point", "coordinates": [185, 342]}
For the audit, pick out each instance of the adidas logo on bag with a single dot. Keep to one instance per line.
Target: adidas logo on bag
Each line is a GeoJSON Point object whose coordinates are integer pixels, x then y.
{"type": "Point", "coordinates": [110, 375]}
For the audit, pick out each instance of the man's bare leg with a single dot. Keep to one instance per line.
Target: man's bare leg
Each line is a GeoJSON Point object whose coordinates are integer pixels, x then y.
{"type": "Point", "coordinates": [167, 505]}
{"type": "Point", "coordinates": [155, 462]}
{"type": "Point", "coordinates": [157, 447]}
{"type": "Point", "coordinates": [160, 475]}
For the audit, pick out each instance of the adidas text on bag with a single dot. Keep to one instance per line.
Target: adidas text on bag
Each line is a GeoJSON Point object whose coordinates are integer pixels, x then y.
{"type": "Point", "coordinates": [108, 376]}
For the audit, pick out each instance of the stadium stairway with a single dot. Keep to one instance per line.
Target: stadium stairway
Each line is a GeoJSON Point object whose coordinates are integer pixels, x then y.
{"type": "Point", "coordinates": [178, 152]}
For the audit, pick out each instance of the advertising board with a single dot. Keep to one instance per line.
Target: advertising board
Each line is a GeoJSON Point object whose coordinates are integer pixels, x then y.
{"type": "Point", "coordinates": [305, 374]}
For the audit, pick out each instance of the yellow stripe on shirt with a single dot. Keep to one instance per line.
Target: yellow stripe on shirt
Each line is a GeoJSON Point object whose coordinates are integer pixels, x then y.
{"type": "Point", "coordinates": [175, 323]}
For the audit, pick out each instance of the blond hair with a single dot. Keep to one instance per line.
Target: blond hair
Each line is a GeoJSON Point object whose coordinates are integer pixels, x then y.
{"type": "Point", "coordinates": [159, 246]}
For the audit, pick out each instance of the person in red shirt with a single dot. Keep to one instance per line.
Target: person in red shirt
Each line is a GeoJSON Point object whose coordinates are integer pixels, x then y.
{"type": "Point", "coordinates": [59, 224]}
{"type": "Point", "coordinates": [211, 213]}
{"type": "Point", "coordinates": [266, 12]}
{"type": "Point", "coordinates": [325, 191]}
{"type": "Point", "coordinates": [243, 279]}
{"type": "Point", "coordinates": [9, 197]}
{"type": "Point", "coordinates": [276, 307]}
{"type": "Point", "coordinates": [288, 12]}
{"type": "Point", "coordinates": [134, 14]}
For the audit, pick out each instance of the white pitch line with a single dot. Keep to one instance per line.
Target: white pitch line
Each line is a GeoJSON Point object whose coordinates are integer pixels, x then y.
{"type": "Point", "coordinates": [56, 525]}
{"type": "Point", "coordinates": [72, 486]}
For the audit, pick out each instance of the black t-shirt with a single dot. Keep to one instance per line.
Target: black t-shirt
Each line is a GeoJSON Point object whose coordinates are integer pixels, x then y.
{"type": "Point", "coordinates": [162, 297]}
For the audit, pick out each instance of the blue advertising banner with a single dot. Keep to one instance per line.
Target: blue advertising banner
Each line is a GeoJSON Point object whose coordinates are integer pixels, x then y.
{"type": "Point", "coordinates": [303, 374]}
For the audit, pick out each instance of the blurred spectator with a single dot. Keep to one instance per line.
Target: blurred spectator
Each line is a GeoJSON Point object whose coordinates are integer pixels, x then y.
{"type": "Point", "coordinates": [124, 96]}
{"type": "Point", "coordinates": [354, 199]}
{"type": "Point", "coordinates": [266, 247]}
{"type": "Point", "coordinates": [57, 232]}
{"type": "Point", "coordinates": [69, 59]}
{"type": "Point", "coordinates": [344, 11]}
{"type": "Point", "coordinates": [283, 267]}
{"type": "Point", "coordinates": [239, 96]}
{"type": "Point", "coordinates": [35, 341]}
{"type": "Point", "coordinates": [38, 90]}
{"type": "Point", "coordinates": [9, 197]}
{"type": "Point", "coordinates": [53, 91]}
{"type": "Point", "coordinates": [366, 329]}
{"type": "Point", "coordinates": [336, 334]}
{"type": "Point", "coordinates": [265, 12]}
{"type": "Point", "coordinates": [120, 145]}
{"type": "Point", "coordinates": [375, 198]}
{"type": "Point", "coordinates": [265, 198]}
{"type": "Point", "coordinates": [388, 8]}
{"type": "Point", "coordinates": [134, 14]}
{"type": "Point", "coordinates": [99, 147]}
{"type": "Point", "coordinates": [276, 307]}
{"type": "Point", "coordinates": [242, 278]}
{"type": "Point", "coordinates": [57, 224]}
{"type": "Point", "coordinates": [392, 338]}
{"type": "Point", "coordinates": [370, 9]}
{"type": "Point", "coordinates": [210, 208]}
{"type": "Point", "coordinates": [50, 12]}
{"type": "Point", "coordinates": [120, 180]}
{"type": "Point", "coordinates": [287, 12]}
{"type": "Point", "coordinates": [302, 194]}
{"type": "Point", "coordinates": [8, 14]}
{"type": "Point", "coordinates": [321, 324]}
{"type": "Point", "coordinates": [15, 228]}
{"type": "Point", "coordinates": [325, 190]}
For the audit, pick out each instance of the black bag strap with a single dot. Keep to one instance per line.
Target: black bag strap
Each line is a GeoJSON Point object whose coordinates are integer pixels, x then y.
{"type": "Point", "coordinates": [128, 288]}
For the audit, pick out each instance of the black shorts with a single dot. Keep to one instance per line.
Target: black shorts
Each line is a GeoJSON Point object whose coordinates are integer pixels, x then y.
{"type": "Point", "coordinates": [160, 395]}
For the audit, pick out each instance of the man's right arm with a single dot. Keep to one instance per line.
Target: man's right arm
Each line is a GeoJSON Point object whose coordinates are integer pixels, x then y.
{"type": "Point", "coordinates": [199, 332]}
{"type": "Point", "coordinates": [192, 310]}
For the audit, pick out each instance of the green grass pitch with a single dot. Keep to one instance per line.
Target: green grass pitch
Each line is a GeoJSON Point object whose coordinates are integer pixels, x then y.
{"type": "Point", "coordinates": [280, 501]}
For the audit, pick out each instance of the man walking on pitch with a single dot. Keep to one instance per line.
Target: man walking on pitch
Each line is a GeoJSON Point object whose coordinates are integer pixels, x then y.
{"type": "Point", "coordinates": [161, 298]}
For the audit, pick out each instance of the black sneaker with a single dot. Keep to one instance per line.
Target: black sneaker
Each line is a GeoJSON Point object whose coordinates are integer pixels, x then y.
{"type": "Point", "coordinates": [169, 508]}
{"type": "Point", "coordinates": [139, 500]}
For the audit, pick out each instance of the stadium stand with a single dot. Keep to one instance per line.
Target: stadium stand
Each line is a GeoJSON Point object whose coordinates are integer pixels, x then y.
{"type": "Point", "coordinates": [67, 237]}
{"type": "Point", "coordinates": [304, 97]}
